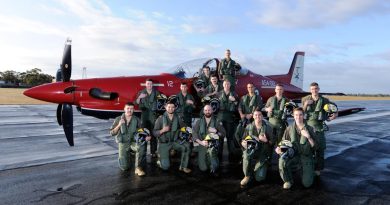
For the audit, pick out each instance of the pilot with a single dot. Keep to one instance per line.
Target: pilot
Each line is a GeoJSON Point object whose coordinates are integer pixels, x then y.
{"type": "Point", "coordinates": [205, 75]}
{"type": "Point", "coordinates": [147, 102]}
{"type": "Point", "coordinates": [186, 104]}
{"type": "Point", "coordinates": [214, 87]}
{"type": "Point", "coordinates": [227, 110]}
{"type": "Point", "coordinates": [166, 129]}
{"type": "Point", "coordinates": [315, 116]}
{"type": "Point", "coordinates": [247, 105]}
{"type": "Point", "coordinates": [275, 107]}
{"type": "Point", "coordinates": [227, 69]}
{"type": "Point", "coordinates": [207, 154]}
{"type": "Point", "coordinates": [296, 150]}
{"type": "Point", "coordinates": [124, 129]}
{"type": "Point", "coordinates": [261, 133]}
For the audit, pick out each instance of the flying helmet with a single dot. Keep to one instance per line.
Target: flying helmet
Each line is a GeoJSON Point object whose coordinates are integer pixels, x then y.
{"type": "Point", "coordinates": [287, 148]}
{"type": "Point", "coordinates": [213, 139]}
{"type": "Point", "coordinates": [174, 100]}
{"type": "Point", "coordinates": [252, 144]}
{"type": "Point", "coordinates": [213, 102]}
{"type": "Point", "coordinates": [200, 84]}
{"type": "Point", "coordinates": [330, 108]}
{"type": "Point", "coordinates": [288, 109]}
{"type": "Point", "coordinates": [161, 100]}
{"type": "Point", "coordinates": [140, 135]}
{"type": "Point", "coordinates": [185, 134]}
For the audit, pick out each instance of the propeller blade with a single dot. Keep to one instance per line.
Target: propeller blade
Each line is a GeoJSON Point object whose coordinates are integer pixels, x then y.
{"type": "Point", "coordinates": [66, 65]}
{"type": "Point", "coordinates": [59, 116]}
{"type": "Point", "coordinates": [67, 121]}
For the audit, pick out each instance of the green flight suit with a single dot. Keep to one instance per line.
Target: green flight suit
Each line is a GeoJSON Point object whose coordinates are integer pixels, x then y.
{"type": "Point", "coordinates": [247, 105]}
{"type": "Point", "coordinates": [228, 71]}
{"type": "Point", "coordinates": [148, 106]}
{"type": "Point", "coordinates": [207, 157]}
{"type": "Point", "coordinates": [261, 156]}
{"type": "Point", "coordinates": [303, 157]}
{"type": "Point", "coordinates": [185, 110]}
{"type": "Point", "coordinates": [275, 119]}
{"type": "Point", "coordinates": [315, 117]}
{"type": "Point", "coordinates": [211, 88]}
{"type": "Point", "coordinates": [226, 115]}
{"type": "Point", "coordinates": [126, 142]}
{"type": "Point", "coordinates": [169, 140]}
{"type": "Point", "coordinates": [205, 79]}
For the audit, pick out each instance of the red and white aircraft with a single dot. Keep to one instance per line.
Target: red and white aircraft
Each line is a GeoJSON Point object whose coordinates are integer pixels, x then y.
{"type": "Point", "coordinates": [105, 97]}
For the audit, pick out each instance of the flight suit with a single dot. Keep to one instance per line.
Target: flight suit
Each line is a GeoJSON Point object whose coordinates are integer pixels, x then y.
{"type": "Point", "coordinates": [261, 155]}
{"type": "Point", "coordinates": [247, 105]}
{"type": "Point", "coordinates": [275, 119]}
{"type": "Point", "coordinates": [169, 140]}
{"type": "Point", "coordinates": [205, 79]}
{"type": "Point", "coordinates": [228, 71]}
{"type": "Point", "coordinates": [207, 157]}
{"type": "Point", "coordinates": [226, 115]}
{"type": "Point", "coordinates": [211, 88]}
{"type": "Point", "coordinates": [148, 106]}
{"type": "Point", "coordinates": [303, 157]}
{"type": "Point", "coordinates": [315, 117]}
{"type": "Point", "coordinates": [185, 110]}
{"type": "Point", "coordinates": [126, 142]}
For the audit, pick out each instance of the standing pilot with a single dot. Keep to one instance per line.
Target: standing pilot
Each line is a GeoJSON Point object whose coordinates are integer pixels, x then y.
{"type": "Point", "coordinates": [186, 104]}
{"type": "Point", "coordinates": [275, 107]}
{"type": "Point", "coordinates": [227, 69]}
{"type": "Point", "coordinates": [147, 102]}
{"type": "Point", "coordinates": [315, 116]}
{"type": "Point", "coordinates": [124, 129]}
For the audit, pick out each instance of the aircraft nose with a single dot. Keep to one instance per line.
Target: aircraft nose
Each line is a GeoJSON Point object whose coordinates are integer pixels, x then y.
{"type": "Point", "coordinates": [52, 92]}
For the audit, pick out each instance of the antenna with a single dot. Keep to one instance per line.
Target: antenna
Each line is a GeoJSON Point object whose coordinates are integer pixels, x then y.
{"type": "Point", "coordinates": [84, 73]}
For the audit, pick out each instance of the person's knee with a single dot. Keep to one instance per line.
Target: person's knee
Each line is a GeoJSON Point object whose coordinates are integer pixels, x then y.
{"type": "Point", "coordinates": [164, 164]}
{"type": "Point", "coordinates": [307, 182]}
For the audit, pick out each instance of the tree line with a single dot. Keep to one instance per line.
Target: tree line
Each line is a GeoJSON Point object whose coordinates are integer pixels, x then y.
{"type": "Point", "coordinates": [29, 78]}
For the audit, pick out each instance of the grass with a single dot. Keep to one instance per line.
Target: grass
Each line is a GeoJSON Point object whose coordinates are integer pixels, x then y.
{"type": "Point", "coordinates": [14, 96]}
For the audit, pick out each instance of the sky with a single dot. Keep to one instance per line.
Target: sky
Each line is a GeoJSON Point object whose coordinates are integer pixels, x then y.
{"type": "Point", "coordinates": [346, 42]}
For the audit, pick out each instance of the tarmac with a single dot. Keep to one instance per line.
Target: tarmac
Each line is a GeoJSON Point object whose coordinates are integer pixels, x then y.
{"type": "Point", "coordinates": [38, 166]}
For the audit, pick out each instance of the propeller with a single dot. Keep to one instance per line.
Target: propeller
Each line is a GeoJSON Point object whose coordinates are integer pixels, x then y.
{"type": "Point", "coordinates": [65, 111]}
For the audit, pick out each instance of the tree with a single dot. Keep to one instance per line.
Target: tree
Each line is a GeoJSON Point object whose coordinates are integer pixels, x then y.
{"type": "Point", "coordinates": [34, 77]}
{"type": "Point", "coordinates": [10, 76]}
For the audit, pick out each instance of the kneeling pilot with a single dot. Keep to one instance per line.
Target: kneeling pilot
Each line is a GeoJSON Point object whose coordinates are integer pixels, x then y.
{"type": "Point", "coordinates": [125, 128]}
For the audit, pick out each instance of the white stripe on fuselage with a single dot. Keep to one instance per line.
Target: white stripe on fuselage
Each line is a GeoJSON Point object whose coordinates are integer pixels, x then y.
{"type": "Point", "coordinates": [154, 84]}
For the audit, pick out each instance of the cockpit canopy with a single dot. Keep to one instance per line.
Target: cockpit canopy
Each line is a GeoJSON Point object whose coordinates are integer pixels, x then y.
{"type": "Point", "coordinates": [193, 68]}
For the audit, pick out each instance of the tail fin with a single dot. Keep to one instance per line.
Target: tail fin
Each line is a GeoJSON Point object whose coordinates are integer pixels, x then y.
{"type": "Point", "coordinates": [295, 74]}
{"type": "Point", "coordinates": [296, 70]}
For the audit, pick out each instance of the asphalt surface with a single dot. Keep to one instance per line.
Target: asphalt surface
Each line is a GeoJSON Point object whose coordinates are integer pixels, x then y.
{"type": "Point", "coordinates": [38, 167]}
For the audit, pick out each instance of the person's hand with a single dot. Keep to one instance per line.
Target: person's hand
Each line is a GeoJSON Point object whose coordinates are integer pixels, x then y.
{"type": "Point", "coordinates": [242, 116]}
{"type": "Point", "coordinates": [269, 110]}
{"type": "Point", "coordinates": [244, 144]}
{"type": "Point", "coordinates": [212, 130]}
{"type": "Point", "coordinates": [308, 102]}
{"type": "Point", "coordinates": [263, 138]}
{"type": "Point", "coordinates": [205, 143]}
{"type": "Point", "coordinates": [122, 121]}
{"type": "Point", "coordinates": [190, 102]}
{"type": "Point", "coordinates": [231, 98]}
{"type": "Point", "coordinates": [165, 129]}
{"type": "Point", "coordinates": [142, 95]}
{"type": "Point", "coordinates": [278, 151]}
{"type": "Point", "coordinates": [333, 116]}
{"type": "Point", "coordinates": [305, 133]}
{"type": "Point", "coordinates": [148, 138]}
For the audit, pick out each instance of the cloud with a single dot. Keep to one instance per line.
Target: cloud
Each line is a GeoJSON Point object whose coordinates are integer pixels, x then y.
{"type": "Point", "coordinates": [313, 13]}
{"type": "Point", "coordinates": [209, 24]}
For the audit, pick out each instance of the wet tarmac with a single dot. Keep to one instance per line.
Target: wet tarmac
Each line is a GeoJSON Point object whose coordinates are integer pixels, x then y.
{"type": "Point", "coordinates": [38, 167]}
